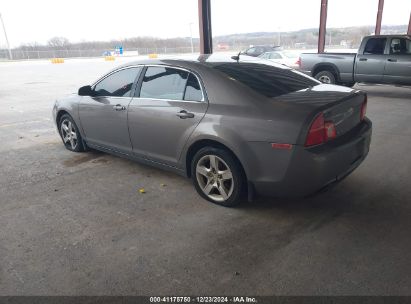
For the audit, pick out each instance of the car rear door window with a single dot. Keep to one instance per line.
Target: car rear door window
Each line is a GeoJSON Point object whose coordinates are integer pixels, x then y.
{"type": "Point", "coordinates": [251, 51]}
{"type": "Point", "coordinates": [266, 79]}
{"type": "Point", "coordinates": [117, 84]}
{"type": "Point", "coordinates": [193, 89]}
{"type": "Point", "coordinates": [375, 46]}
{"type": "Point", "coordinates": [275, 56]}
{"type": "Point", "coordinates": [400, 46]}
{"type": "Point", "coordinates": [164, 83]}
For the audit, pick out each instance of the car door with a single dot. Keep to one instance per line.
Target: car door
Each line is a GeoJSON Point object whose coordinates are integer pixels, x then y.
{"type": "Point", "coordinates": [103, 116]}
{"type": "Point", "coordinates": [169, 105]}
{"type": "Point", "coordinates": [370, 62]}
{"type": "Point", "coordinates": [398, 64]}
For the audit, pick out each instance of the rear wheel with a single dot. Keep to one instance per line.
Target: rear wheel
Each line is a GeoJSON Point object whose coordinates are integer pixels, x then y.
{"type": "Point", "coordinates": [70, 135]}
{"type": "Point", "coordinates": [217, 176]}
{"type": "Point", "coordinates": [325, 77]}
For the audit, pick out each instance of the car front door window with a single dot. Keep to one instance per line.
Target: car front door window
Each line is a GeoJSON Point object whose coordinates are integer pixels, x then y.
{"type": "Point", "coordinates": [118, 84]}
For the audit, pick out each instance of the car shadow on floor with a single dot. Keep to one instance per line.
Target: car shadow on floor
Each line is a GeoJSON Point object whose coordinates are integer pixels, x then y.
{"type": "Point", "coordinates": [386, 91]}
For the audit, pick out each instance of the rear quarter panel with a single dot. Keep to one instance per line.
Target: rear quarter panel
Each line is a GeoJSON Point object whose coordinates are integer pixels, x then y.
{"type": "Point", "coordinates": [247, 123]}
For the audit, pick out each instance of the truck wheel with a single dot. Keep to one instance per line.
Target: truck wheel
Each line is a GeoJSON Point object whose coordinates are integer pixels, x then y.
{"type": "Point", "coordinates": [325, 77]}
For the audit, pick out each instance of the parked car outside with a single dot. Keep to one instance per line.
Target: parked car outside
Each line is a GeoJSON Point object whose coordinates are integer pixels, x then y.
{"type": "Point", "coordinates": [234, 125]}
{"type": "Point", "coordinates": [381, 59]}
{"type": "Point", "coordinates": [257, 50]}
{"type": "Point", "coordinates": [287, 58]}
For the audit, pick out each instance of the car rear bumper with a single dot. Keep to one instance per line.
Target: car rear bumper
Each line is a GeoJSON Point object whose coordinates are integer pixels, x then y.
{"type": "Point", "coordinates": [311, 169]}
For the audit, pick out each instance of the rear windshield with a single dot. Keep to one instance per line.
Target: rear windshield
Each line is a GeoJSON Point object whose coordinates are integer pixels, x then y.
{"type": "Point", "coordinates": [270, 81]}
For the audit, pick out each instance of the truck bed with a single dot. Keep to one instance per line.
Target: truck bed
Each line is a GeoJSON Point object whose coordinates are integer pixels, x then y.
{"type": "Point", "coordinates": [344, 62]}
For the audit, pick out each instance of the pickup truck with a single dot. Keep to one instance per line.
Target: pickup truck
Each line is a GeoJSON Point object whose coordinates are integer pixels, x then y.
{"type": "Point", "coordinates": [383, 59]}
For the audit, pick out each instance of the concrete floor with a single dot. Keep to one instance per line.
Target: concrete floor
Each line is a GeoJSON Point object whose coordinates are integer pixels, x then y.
{"type": "Point", "coordinates": [75, 224]}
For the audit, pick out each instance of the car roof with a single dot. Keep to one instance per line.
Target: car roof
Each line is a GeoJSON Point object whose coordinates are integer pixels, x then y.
{"type": "Point", "coordinates": [388, 36]}
{"type": "Point", "coordinates": [207, 60]}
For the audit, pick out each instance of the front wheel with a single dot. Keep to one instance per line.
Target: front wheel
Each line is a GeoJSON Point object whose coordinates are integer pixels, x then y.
{"type": "Point", "coordinates": [70, 134]}
{"type": "Point", "coordinates": [217, 176]}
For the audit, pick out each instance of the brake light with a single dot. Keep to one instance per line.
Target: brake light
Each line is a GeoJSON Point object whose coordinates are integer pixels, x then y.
{"type": "Point", "coordinates": [320, 131]}
{"type": "Point", "coordinates": [363, 108]}
{"type": "Point", "coordinates": [298, 62]}
{"type": "Point", "coordinates": [316, 133]}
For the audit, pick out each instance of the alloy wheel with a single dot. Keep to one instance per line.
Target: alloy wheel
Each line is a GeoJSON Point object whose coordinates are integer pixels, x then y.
{"type": "Point", "coordinates": [215, 178]}
{"type": "Point", "coordinates": [69, 134]}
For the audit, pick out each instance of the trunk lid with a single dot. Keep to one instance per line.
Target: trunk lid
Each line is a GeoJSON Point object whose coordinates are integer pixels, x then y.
{"type": "Point", "coordinates": [340, 105]}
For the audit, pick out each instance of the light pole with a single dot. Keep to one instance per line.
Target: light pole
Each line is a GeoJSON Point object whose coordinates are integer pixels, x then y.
{"type": "Point", "coordinates": [7, 40]}
{"type": "Point", "coordinates": [279, 36]}
{"type": "Point", "coordinates": [191, 37]}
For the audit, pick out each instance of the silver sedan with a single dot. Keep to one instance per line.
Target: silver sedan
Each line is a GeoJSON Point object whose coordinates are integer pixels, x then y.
{"type": "Point", "coordinates": [235, 125]}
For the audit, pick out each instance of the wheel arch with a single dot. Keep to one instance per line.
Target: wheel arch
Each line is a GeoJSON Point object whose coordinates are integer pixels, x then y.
{"type": "Point", "coordinates": [206, 142]}
{"type": "Point", "coordinates": [72, 113]}
{"type": "Point", "coordinates": [60, 113]}
{"type": "Point", "coordinates": [319, 67]}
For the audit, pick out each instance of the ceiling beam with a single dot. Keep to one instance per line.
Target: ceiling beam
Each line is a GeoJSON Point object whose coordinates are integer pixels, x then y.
{"type": "Point", "coordinates": [379, 17]}
{"type": "Point", "coordinates": [204, 18]}
{"type": "Point", "coordinates": [323, 26]}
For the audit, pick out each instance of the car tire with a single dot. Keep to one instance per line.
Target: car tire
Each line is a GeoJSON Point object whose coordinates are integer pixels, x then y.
{"type": "Point", "coordinates": [70, 134]}
{"type": "Point", "coordinates": [218, 176]}
{"type": "Point", "coordinates": [325, 77]}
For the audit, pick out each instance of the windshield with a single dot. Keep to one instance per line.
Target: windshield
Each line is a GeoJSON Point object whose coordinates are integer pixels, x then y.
{"type": "Point", "coordinates": [268, 80]}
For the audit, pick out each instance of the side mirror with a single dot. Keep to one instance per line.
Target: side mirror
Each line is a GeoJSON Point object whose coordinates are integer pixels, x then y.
{"type": "Point", "coordinates": [86, 91]}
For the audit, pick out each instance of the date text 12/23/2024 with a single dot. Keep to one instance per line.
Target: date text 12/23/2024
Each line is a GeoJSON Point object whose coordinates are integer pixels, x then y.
{"type": "Point", "coordinates": [203, 299]}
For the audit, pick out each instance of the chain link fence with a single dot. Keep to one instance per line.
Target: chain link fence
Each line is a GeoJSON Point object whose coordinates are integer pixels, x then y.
{"type": "Point", "coordinates": [87, 53]}
{"type": "Point", "coordinates": [69, 53]}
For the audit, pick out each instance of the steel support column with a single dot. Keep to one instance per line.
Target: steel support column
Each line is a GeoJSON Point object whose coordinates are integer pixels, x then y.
{"type": "Point", "coordinates": [323, 26]}
{"type": "Point", "coordinates": [379, 17]}
{"type": "Point", "coordinates": [409, 26]}
{"type": "Point", "coordinates": [204, 18]}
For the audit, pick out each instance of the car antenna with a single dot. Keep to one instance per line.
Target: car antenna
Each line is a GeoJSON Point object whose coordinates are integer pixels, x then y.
{"type": "Point", "coordinates": [236, 57]}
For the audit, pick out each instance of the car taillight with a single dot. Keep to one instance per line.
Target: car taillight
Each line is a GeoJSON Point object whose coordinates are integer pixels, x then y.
{"type": "Point", "coordinates": [298, 62]}
{"type": "Point", "coordinates": [363, 108]}
{"type": "Point", "coordinates": [320, 131]}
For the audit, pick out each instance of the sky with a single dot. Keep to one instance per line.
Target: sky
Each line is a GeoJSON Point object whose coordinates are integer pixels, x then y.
{"type": "Point", "coordinates": [39, 20]}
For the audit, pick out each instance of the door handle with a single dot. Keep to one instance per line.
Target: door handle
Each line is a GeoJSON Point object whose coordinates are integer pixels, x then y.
{"type": "Point", "coordinates": [363, 59]}
{"type": "Point", "coordinates": [119, 107]}
{"type": "Point", "coordinates": [392, 60]}
{"type": "Point", "coordinates": [183, 114]}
